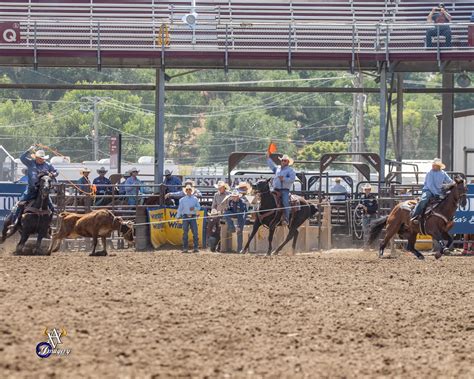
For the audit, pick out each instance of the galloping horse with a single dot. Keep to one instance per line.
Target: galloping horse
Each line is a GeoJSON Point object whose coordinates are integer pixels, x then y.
{"type": "Point", "coordinates": [36, 217]}
{"type": "Point", "coordinates": [269, 215]}
{"type": "Point", "coordinates": [436, 223]}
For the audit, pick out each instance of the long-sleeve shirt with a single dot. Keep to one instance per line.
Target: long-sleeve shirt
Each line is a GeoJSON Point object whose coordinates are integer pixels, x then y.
{"type": "Point", "coordinates": [131, 184]}
{"type": "Point", "coordinates": [173, 183]}
{"type": "Point", "coordinates": [338, 188]}
{"type": "Point", "coordinates": [85, 185]}
{"type": "Point", "coordinates": [33, 169]}
{"type": "Point", "coordinates": [287, 172]}
{"type": "Point", "coordinates": [434, 181]}
{"type": "Point", "coordinates": [186, 203]}
{"type": "Point", "coordinates": [233, 206]}
{"type": "Point", "coordinates": [218, 198]}
{"type": "Point", "coordinates": [101, 185]}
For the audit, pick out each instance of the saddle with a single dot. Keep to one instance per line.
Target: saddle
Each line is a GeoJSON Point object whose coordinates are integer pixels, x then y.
{"type": "Point", "coordinates": [294, 202]}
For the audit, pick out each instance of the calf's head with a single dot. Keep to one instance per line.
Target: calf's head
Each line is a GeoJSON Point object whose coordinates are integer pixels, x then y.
{"type": "Point", "coordinates": [127, 230]}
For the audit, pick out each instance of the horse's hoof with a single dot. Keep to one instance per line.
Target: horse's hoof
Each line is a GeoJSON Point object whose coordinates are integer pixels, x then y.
{"type": "Point", "coordinates": [243, 252]}
{"type": "Point", "coordinates": [420, 257]}
{"type": "Point", "coordinates": [380, 253]}
{"type": "Point", "coordinates": [438, 254]}
{"type": "Point", "coordinates": [98, 254]}
{"type": "Point", "coordinates": [275, 253]}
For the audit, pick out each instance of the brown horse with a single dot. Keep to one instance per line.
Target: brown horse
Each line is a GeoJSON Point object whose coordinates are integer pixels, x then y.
{"type": "Point", "coordinates": [436, 223]}
{"type": "Point", "coordinates": [270, 216]}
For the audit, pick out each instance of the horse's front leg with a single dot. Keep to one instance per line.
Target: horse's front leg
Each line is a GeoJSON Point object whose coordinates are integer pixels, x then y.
{"type": "Point", "coordinates": [256, 226]}
{"type": "Point", "coordinates": [411, 246]}
{"type": "Point", "coordinates": [21, 244]}
{"type": "Point", "coordinates": [290, 235]}
{"type": "Point", "coordinates": [449, 240]}
{"type": "Point", "coordinates": [270, 239]}
{"type": "Point", "coordinates": [442, 247]}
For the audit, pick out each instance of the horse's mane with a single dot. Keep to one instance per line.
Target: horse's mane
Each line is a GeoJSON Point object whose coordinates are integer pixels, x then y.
{"type": "Point", "coordinates": [446, 187]}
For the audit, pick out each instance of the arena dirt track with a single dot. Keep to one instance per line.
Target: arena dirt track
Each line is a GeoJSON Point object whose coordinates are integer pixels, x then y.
{"type": "Point", "coordinates": [162, 314]}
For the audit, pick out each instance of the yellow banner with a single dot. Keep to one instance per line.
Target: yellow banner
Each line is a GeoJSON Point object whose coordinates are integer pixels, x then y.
{"type": "Point", "coordinates": [166, 228]}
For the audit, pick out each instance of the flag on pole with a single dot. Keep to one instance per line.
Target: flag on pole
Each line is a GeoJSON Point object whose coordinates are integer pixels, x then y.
{"type": "Point", "coordinates": [272, 148]}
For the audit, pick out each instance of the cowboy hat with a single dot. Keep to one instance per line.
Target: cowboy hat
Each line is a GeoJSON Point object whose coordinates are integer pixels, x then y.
{"type": "Point", "coordinates": [439, 163]}
{"type": "Point", "coordinates": [337, 180]}
{"type": "Point", "coordinates": [168, 172]}
{"type": "Point", "coordinates": [367, 186]}
{"type": "Point", "coordinates": [220, 184]}
{"type": "Point", "coordinates": [134, 169]}
{"type": "Point", "coordinates": [83, 170]}
{"type": "Point", "coordinates": [102, 170]}
{"type": "Point", "coordinates": [285, 157]}
{"type": "Point", "coordinates": [235, 193]}
{"type": "Point", "coordinates": [40, 154]}
{"type": "Point", "coordinates": [213, 212]}
{"type": "Point", "coordinates": [188, 181]}
{"type": "Point", "coordinates": [243, 187]}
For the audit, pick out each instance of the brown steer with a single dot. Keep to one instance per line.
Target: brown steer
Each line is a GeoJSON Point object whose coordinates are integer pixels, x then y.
{"type": "Point", "coordinates": [99, 223]}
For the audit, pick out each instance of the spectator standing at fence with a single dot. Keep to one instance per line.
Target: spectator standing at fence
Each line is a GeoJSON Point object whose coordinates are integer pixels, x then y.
{"type": "Point", "coordinates": [221, 194]}
{"type": "Point", "coordinates": [133, 187]}
{"type": "Point", "coordinates": [235, 207]}
{"type": "Point", "coordinates": [172, 182]}
{"type": "Point", "coordinates": [213, 230]}
{"type": "Point", "coordinates": [103, 187]}
{"type": "Point", "coordinates": [441, 18]}
{"type": "Point", "coordinates": [121, 189]}
{"type": "Point", "coordinates": [187, 210]}
{"type": "Point", "coordinates": [338, 188]}
{"type": "Point", "coordinates": [368, 203]}
{"type": "Point", "coordinates": [84, 183]}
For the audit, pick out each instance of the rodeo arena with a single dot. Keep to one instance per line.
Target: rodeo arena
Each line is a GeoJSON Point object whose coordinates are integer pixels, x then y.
{"type": "Point", "coordinates": [357, 264]}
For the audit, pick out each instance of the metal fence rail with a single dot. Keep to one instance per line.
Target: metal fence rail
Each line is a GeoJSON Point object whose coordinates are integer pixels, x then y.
{"type": "Point", "coordinates": [381, 38]}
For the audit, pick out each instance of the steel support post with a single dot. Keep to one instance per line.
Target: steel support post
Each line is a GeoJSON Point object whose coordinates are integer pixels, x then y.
{"type": "Point", "coordinates": [383, 121]}
{"type": "Point", "coordinates": [447, 124]}
{"type": "Point", "coordinates": [399, 134]}
{"type": "Point", "coordinates": [159, 125]}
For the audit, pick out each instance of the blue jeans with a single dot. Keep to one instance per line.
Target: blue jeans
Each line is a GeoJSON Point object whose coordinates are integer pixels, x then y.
{"type": "Point", "coordinates": [285, 200]}
{"type": "Point", "coordinates": [444, 30]}
{"type": "Point", "coordinates": [228, 215]}
{"type": "Point", "coordinates": [425, 197]}
{"type": "Point", "coordinates": [194, 229]}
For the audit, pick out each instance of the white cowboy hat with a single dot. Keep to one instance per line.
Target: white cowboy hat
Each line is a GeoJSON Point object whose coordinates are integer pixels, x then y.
{"type": "Point", "coordinates": [243, 187]}
{"type": "Point", "coordinates": [367, 186]}
{"type": "Point", "coordinates": [134, 169]}
{"type": "Point", "coordinates": [83, 170]}
{"type": "Point", "coordinates": [168, 172]}
{"type": "Point", "coordinates": [285, 157]}
{"type": "Point", "coordinates": [102, 169]}
{"type": "Point", "coordinates": [220, 184]}
{"type": "Point", "coordinates": [235, 193]}
{"type": "Point", "coordinates": [40, 154]}
{"type": "Point", "coordinates": [439, 163]}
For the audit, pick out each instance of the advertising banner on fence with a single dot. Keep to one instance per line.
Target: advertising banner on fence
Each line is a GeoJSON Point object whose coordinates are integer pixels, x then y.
{"type": "Point", "coordinates": [166, 228]}
{"type": "Point", "coordinates": [9, 194]}
{"type": "Point", "coordinates": [464, 218]}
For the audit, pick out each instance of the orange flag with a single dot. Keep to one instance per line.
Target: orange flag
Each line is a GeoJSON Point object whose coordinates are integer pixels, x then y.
{"type": "Point", "coordinates": [272, 148]}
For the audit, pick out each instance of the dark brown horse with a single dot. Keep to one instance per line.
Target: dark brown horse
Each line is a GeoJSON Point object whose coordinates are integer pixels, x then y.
{"type": "Point", "coordinates": [436, 223]}
{"type": "Point", "coordinates": [268, 214]}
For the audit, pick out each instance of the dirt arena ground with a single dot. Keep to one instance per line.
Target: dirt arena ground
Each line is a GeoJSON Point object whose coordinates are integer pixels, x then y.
{"type": "Point", "coordinates": [147, 315]}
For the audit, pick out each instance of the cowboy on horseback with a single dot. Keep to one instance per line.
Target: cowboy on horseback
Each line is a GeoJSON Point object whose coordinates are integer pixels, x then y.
{"type": "Point", "coordinates": [433, 187]}
{"type": "Point", "coordinates": [282, 182]}
{"type": "Point", "coordinates": [35, 165]}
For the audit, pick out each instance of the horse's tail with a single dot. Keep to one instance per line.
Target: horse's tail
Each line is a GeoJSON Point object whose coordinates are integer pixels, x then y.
{"type": "Point", "coordinates": [376, 228]}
